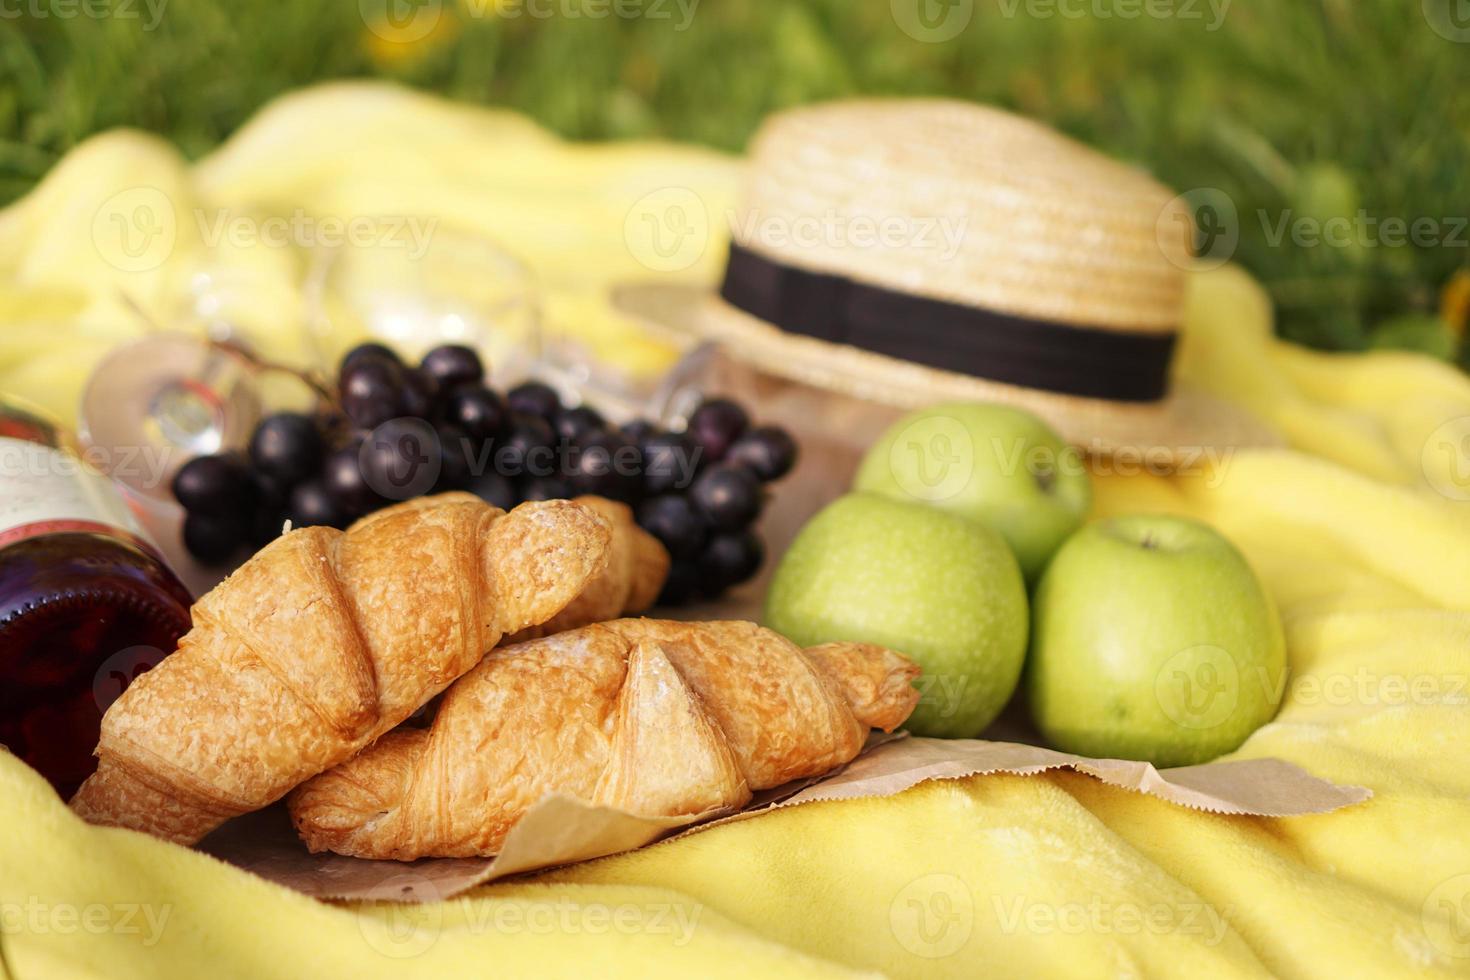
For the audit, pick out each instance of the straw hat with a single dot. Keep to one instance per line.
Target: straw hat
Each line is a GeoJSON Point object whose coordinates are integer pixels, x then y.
{"type": "Point", "coordinates": [910, 252]}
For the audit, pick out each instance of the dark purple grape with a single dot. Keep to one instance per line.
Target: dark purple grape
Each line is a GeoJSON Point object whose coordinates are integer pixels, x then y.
{"type": "Point", "coordinates": [476, 410]}
{"type": "Point", "coordinates": [672, 520]}
{"type": "Point", "coordinates": [312, 504]}
{"type": "Point", "coordinates": [638, 430]}
{"type": "Point", "coordinates": [768, 452]}
{"type": "Point", "coordinates": [729, 559]}
{"type": "Point", "coordinates": [715, 426]}
{"type": "Point", "coordinates": [546, 488]}
{"type": "Point", "coordinates": [214, 486]}
{"type": "Point", "coordinates": [266, 524]}
{"type": "Point", "coordinates": [368, 351]}
{"type": "Point", "coordinates": [727, 496]}
{"type": "Point", "coordinates": [534, 398]}
{"type": "Point", "coordinates": [213, 540]}
{"type": "Point", "coordinates": [418, 395]}
{"type": "Point", "coordinates": [670, 460]}
{"type": "Point", "coordinates": [269, 491]}
{"type": "Point", "coordinates": [527, 449]}
{"type": "Point", "coordinates": [682, 584]}
{"type": "Point", "coordinates": [342, 473]}
{"type": "Point", "coordinates": [461, 456]}
{"type": "Point", "coordinates": [453, 365]}
{"type": "Point", "coordinates": [494, 489]}
{"type": "Point", "coordinates": [575, 424]}
{"type": "Point", "coordinates": [606, 464]}
{"type": "Point", "coordinates": [401, 459]}
{"type": "Point", "coordinates": [287, 446]}
{"type": "Point", "coordinates": [372, 391]}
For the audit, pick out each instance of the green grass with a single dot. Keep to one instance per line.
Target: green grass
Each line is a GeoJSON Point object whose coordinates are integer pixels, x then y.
{"type": "Point", "coordinates": [1295, 109]}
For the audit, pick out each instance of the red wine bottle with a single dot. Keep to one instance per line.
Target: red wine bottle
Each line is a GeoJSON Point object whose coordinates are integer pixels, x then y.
{"type": "Point", "coordinates": [86, 602]}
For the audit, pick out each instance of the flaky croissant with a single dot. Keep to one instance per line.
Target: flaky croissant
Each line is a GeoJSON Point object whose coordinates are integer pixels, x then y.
{"type": "Point", "coordinates": [653, 717]}
{"type": "Point", "coordinates": [636, 569]}
{"type": "Point", "coordinates": [321, 643]}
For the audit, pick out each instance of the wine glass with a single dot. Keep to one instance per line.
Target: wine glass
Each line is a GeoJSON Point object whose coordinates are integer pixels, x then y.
{"type": "Point", "coordinates": [443, 285]}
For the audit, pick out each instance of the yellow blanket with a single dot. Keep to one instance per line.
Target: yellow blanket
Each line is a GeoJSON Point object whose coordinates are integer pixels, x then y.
{"type": "Point", "coordinates": [1361, 533]}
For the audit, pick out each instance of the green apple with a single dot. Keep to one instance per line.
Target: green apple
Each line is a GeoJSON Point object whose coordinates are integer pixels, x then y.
{"type": "Point", "coordinates": [1153, 639]}
{"type": "Point", "coordinates": [994, 464]}
{"type": "Point", "coordinates": [941, 589]}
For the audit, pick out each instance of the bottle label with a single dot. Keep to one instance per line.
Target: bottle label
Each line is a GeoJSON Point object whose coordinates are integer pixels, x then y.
{"type": "Point", "coordinates": [44, 490]}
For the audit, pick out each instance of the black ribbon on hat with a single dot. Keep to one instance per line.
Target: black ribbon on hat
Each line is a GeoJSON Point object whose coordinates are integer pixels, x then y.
{"type": "Point", "coordinates": [1061, 357]}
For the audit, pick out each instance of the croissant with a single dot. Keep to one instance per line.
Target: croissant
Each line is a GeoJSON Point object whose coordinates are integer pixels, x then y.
{"type": "Point", "coordinates": [653, 717]}
{"type": "Point", "coordinates": [322, 642]}
{"type": "Point", "coordinates": [632, 580]}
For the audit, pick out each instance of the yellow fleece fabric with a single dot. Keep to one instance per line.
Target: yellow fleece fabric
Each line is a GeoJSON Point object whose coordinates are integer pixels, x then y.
{"type": "Point", "coordinates": [1360, 532]}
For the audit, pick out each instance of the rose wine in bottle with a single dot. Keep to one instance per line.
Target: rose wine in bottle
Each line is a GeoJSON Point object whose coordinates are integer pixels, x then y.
{"type": "Point", "coordinates": [86, 603]}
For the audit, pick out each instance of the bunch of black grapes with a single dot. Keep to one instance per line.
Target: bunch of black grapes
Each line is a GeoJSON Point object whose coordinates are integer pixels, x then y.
{"type": "Point", "coordinates": [401, 431]}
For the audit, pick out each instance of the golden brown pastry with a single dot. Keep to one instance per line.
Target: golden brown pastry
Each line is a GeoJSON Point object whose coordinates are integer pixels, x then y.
{"type": "Point", "coordinates": [321, 643]}
{"type": "Point", "coordinates": [654, 717]}
{"type": "Point", "coordinates": [635, 573]}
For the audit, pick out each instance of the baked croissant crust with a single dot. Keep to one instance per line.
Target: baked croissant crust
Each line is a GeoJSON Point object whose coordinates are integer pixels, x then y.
{"type": "Point", "coordinates": [653, 717]}
{"type": "Point", "coordinates": [322, 642]}
{"type": "Point", "coordinates": [636, 569]}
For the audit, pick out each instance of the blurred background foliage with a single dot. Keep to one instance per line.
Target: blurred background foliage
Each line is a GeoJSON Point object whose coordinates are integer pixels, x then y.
{"type": "Point", "coordinates": [1295, 110]}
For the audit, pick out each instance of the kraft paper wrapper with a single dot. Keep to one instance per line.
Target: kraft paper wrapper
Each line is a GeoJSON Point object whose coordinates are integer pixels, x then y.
{"type": "Point", "coordinates": [560, 831]}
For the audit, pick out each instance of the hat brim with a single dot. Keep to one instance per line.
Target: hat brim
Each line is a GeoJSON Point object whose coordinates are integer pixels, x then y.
{"type": "Point", "coordinates": [1183, 425]}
